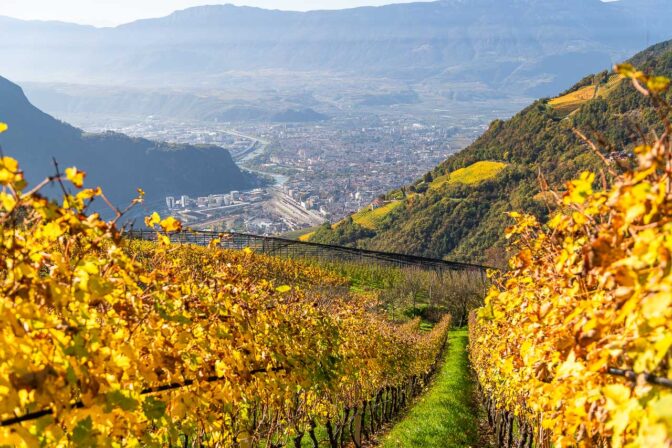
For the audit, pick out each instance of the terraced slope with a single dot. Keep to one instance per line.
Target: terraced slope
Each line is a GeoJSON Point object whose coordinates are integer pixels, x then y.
{"type": "Point", "coordinates": [306, 236]}
{"type": "Point", "coordinates": [371, 219]}
{"type": "Point", "coordinates": [471, 175]}
{"type": "Point", "coordinates": [571, 101]}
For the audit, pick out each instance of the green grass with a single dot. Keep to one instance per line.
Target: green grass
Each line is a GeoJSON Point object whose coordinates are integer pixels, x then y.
{"type": "Point", "coordinates": [473, 174]}
{"type": "Point", "coordinates": [446, 415]}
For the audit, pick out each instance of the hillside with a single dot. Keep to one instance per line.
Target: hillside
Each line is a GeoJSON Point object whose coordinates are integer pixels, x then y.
{"type": "Point", "coordinates": [466, 220]}
{"type": "Point", "coordinates": [114, 161]}
{"type": "Point", "coordinates": [513, 46]}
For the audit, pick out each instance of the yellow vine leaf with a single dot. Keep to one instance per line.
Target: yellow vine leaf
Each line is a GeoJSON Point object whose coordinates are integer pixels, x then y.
{"type": "Point", "coordinates": [75, 176]}
{"type": "Point", "coordinates": [152, 220]}
{"type": "Point", "coordinates": [9, 171]}
{"type": "Point", "coordinates": [171, 224]}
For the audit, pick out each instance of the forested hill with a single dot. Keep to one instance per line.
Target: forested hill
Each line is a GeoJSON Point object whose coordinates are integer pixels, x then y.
{"type": "Point", "coordinates": [118, 163]}
{"type": "Point", "coordinates": [458, 210]}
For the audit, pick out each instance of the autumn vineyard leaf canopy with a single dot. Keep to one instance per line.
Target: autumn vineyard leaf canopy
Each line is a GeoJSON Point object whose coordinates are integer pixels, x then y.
{"type": "Point", "coordinates": [111, 342]}
{"type": "Point", "coordinates": [575, 339]}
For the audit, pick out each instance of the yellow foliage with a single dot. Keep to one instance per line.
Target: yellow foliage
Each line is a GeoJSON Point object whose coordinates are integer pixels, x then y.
{"type": "Point", "coordinates": [473, 174]}
{"type": "Point", "coordinates": [170, 224]}
{"type": "Point", "coordinates": [307, 236]}
{"type": "Point", "coordinates": [9, 171]}
{"type": "Point", "coordinates": [573, 100]}
{"type": "Point", "coordinates": [589, 292]}
{"type": "Point", "coordinates": [121, 343]}
{"type": "Point", "coordinates": [370, 219]}
{"type": "Point", "coordinates": [75, 176]}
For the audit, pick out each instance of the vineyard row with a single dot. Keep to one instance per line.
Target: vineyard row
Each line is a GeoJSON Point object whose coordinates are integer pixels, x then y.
{"type": "Point", "coordinates": [113, 342]}
{"type": "Point", "coordinates": [573, 347]}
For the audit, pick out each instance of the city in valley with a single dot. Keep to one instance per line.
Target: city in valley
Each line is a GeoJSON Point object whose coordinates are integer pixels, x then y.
{"type": "Point", "coordinates": [313, 172]}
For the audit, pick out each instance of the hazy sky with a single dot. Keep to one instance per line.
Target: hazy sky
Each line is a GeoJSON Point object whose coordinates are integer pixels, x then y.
{"type": "Point", "coordinates": [114, 12]}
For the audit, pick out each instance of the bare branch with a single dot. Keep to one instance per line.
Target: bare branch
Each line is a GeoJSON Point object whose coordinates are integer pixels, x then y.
{"type": "Point", "coordinates": [596, 150]}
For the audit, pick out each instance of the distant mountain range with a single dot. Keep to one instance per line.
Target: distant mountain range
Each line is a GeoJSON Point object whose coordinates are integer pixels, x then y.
{"type": "Point", "coordinates": [525, 47]}
{"type": "Point", "coordinates": [118, 163]}
{"type": "Point", "coordinates": [65, 100]}
{"type": "Point", "coordinates": [459, 209]}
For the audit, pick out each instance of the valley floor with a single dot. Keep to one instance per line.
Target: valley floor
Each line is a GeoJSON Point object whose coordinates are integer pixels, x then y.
{"type": "Point", "coordinates": [448, 414]}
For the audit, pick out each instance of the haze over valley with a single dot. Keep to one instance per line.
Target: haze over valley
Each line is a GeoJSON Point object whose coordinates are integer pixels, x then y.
{"type": "Point", "coordinates": [324, 110]}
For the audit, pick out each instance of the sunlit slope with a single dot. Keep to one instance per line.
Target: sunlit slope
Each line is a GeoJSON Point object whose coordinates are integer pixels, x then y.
{"type": "Point", "coordinates": [570, 102]}
{"type": "Point", "coordinates": [370, 219]}
{"type": "Point", "coordinates": [459, 210]}
{"type": "Point", "coordinates": [300, 235]}
{"type": "Point", "coordinates": [473, 174]}
{"type": "Point", "coordinates": [306, 236]}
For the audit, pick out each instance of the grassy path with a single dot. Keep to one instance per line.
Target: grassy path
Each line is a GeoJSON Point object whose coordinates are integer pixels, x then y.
{"type": "Point", "coordinates": [445, 416]}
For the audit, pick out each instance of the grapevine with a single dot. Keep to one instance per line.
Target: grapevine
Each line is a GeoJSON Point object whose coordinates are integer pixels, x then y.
{"type": "Point", "coordinates": [106, 341]}
{"type": "Point", "coordinates": [574, 341]}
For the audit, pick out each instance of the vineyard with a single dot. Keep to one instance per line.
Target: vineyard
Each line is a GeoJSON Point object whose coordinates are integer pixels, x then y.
{"type": "Point", "coordinates": [170, 337]}
{"type": "Point", "coordinates": [566, 104]}
{"type": "Point", "coordinates": [405, 285]}
{"type": "Point", "coordinates": [473, 174]}
{"type": "Point", "coordinates": [117, 342]}
{"type": "Point", "coordinates": [572, 347]}
{"type": "Point", "coordinates": [371, 218]}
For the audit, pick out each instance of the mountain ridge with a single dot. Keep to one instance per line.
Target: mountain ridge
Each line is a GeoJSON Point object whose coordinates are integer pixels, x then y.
{"type": "Point", "coordinates": [517, 44]}
{"type": "Point", "coordinates": [118, 163]}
